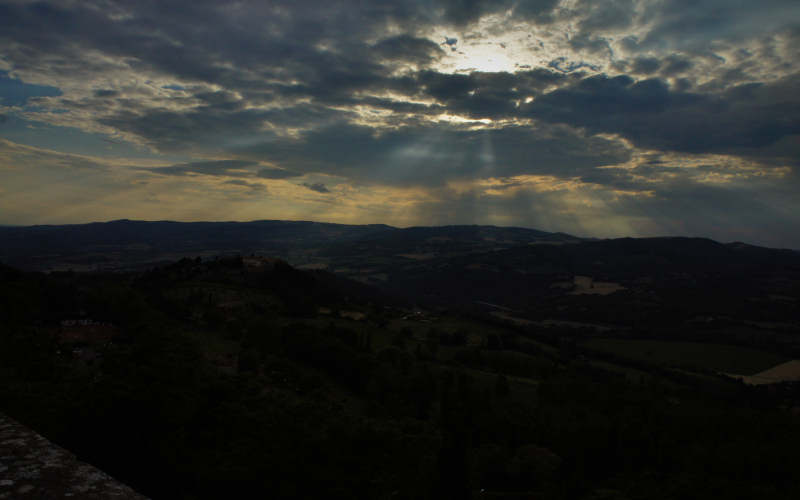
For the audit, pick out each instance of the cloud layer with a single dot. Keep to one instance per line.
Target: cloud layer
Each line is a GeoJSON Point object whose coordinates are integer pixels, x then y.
{"type": "Point", "coordinates": [607, 118]}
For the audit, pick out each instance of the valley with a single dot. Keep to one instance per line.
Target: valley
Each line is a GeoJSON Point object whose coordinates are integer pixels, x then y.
{"type": "Point", "coordinates": [470, 368]}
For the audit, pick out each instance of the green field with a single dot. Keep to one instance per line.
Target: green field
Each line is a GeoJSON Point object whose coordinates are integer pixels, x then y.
{"type": "Point", "coordinates": [719, 357]}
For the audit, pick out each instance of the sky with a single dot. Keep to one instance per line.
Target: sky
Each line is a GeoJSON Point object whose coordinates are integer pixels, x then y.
{"type": "Point", "coordinates": [602, 118]}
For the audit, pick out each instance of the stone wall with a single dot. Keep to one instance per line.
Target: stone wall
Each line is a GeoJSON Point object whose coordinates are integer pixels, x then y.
{"type": "Point", "coordinates": [33, 467]}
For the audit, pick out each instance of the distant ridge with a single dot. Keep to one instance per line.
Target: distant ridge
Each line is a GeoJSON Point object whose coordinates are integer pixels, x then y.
{"type": "Point", "coordinates": [126, 243]}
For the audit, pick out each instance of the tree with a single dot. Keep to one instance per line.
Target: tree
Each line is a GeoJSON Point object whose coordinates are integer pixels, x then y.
{"type": "Point", "coordinates": [501, 387]}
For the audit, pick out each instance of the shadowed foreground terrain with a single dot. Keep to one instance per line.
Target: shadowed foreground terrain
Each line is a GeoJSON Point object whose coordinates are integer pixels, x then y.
{"type": "Point", "coordinates": [468, 372]}
{"type": "Point", "coordinates": [32, 467]}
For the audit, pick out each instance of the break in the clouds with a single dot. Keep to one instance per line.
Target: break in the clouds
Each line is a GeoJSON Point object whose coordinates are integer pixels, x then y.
{"type": "Point", "coordinates": [602, 117]}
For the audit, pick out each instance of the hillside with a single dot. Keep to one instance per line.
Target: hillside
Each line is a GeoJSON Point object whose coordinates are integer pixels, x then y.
{"type": "Point", "coordinates": [429, 362]}
{"type": "Point", "coordinates": [126, 244]}
{"type": "Point", "coordinates": [246, 377]}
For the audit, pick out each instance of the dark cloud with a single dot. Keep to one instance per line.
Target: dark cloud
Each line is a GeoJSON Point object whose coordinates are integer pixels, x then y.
{"type": "Point", "coordinates": [311, 41]}
{"type": "Point", "coordinates": [746, 119]}
{"type": "Point", "coordinates": [106, 93]}
{"type": "Point", "coordinates": [691, 24]}
{"type": "Point", "coordinates": [646, 65]}
{"type": "Point", "coordinates": [446, 86]}
{"type": "Point", "coordinates": [488, 95]}
{"type": "Point", "coordinates": [224, 119]}
{"type": "Point", "coordinates": [540, 11]}
{"type": "Point", "coordinates": [601, 15]}
{"type": "Point", "coordinates": [463, 12]}
{"type": "Point", "coordinates": [200, 128]}
{"type": "Point", "coordinates": [589, 43]}
{"type": "Point", "coordinates": [210, 42]}
{"type": "Point", "coordinates": [682, 85]}
{"type": "Point", "coordinates": [630, 43]}
{"type": "Point", "coordinates": [433, 155]}
{"type": "Point", "coordinates": [408, 48]}
{"type": "Point", "coordinates": [318, 187]}
{"type": "Point", "coordinates": [676, 64]}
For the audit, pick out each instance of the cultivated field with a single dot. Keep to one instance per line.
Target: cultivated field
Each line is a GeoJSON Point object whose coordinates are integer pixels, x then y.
{"type": "Point", "coordinates": [785, 372]}
{"type": "Point", "coordinates": [585, 285]}
{"type": "Point", "coordinates": [718, 357]}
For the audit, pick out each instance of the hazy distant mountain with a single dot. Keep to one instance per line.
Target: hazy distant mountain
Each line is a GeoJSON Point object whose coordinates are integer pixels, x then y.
{"type": "Point", "coordinates": [123, 243]}
{"type": "Point", "coordinates": [127, 243]}
{"type": "Point", "coordinates": [169, 234]}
